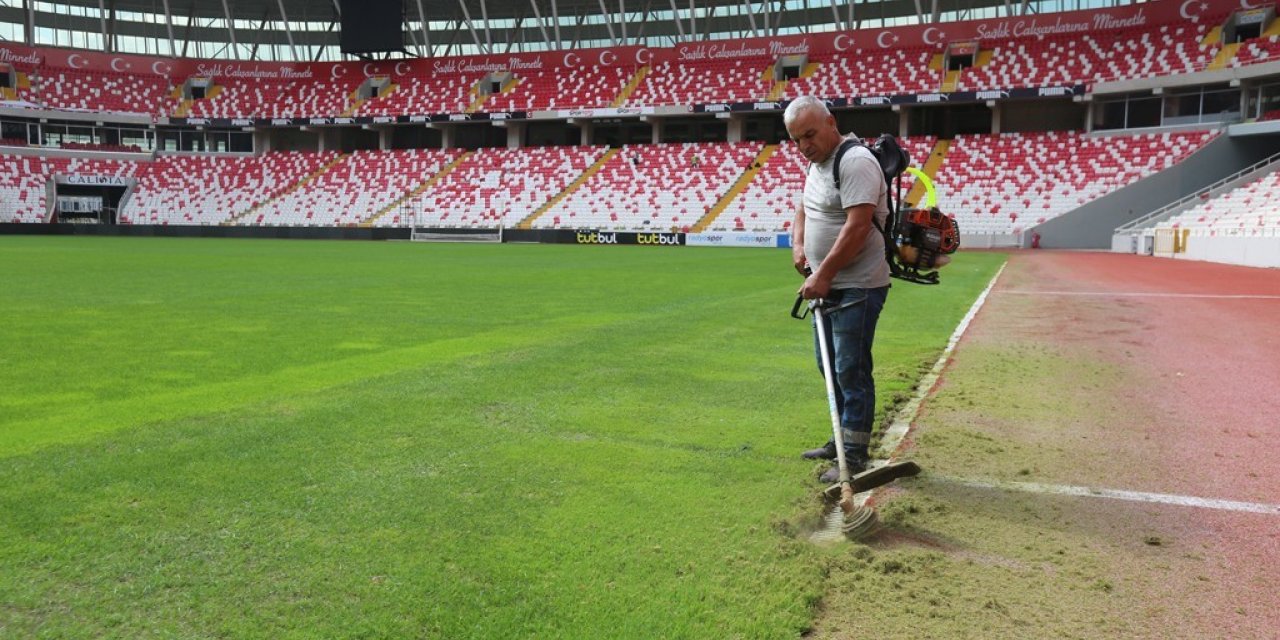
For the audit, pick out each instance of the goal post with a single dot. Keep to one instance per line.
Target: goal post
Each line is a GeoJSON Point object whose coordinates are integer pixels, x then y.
{"type": "Point", "coordinates": [444, 234]}
{"type": "Point", "coordinates": [422, 231]}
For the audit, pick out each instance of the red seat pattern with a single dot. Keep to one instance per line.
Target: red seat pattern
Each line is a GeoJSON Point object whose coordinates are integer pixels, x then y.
{"type": "Point", "coordinates": [867, 73]}
{"type": "Point", "coordinates": [1250, 210]}
{"type": "Point", "coordinates": [191, 189]}
{"type": "Point", "coordinates": [580, 87]}
{"type": "Point", "coordinates": [1258, 50]}
{"type": "Point", "coordinates": [244, 98]}
{"type": "Point", "coordinates": [496, 187]}
{"type": "Point", "coordinates": [356, 189]}
{"type": "Point", "coordinates": [1005, 183]}
{"type": "Point", "coordinates": [23, 181]}
{"type": "Point", "coordinates": [420, 94]}
{"type": "Point", "coordinates": [679, 83]}
{"type": "Point", "coordinates": [79, 90]}
{"type": "Point", "coordinates": [661, 187]}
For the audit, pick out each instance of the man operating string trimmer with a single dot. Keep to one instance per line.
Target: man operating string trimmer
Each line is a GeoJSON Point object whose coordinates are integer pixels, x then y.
{"type": "Point", "coordinates": [837, 246]}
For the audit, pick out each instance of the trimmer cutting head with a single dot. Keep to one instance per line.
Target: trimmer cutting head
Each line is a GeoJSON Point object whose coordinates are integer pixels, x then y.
{"type": "Point", "coordinates": [847, 520]}
{"type": "Point", "coordinates": [838, 525]}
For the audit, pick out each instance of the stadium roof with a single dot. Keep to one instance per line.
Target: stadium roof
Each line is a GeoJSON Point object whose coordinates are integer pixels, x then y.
{"type": "Point", "coordinates": [305, 30]}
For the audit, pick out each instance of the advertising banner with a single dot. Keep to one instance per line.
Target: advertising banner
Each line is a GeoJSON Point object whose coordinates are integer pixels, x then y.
{"type": "Point", "coordinates": [595, 236]}
{"type": "Point", "coordinates": [732, 239]}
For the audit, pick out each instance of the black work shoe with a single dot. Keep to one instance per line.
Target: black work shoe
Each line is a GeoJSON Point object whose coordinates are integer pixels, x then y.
{"type": "Point", "coordinates": [857, 464]}
{"type": "Point", "coordinates": [825, 452]}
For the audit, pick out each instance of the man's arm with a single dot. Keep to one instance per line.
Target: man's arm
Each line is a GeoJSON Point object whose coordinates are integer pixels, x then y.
{"type": "Point", "coordinates": [798, 259]}
{"type": "Point", "coordinates": [852, 236]}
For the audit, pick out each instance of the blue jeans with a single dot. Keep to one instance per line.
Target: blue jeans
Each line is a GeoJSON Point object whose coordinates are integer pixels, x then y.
{"type": "Point", "coordinates": [851, 329]}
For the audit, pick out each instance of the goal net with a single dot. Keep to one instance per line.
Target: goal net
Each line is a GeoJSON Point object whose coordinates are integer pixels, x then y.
{"type": "Point", "coordinates": [421, 231]}
{"type": "Point", "coordinates": [429, 234]}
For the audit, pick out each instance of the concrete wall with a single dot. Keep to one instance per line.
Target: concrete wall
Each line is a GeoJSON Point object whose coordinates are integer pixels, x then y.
{"type": "Point", "coordinates": [1247, 251]}
{"type": "Point", "coordinates": [1091, 226]}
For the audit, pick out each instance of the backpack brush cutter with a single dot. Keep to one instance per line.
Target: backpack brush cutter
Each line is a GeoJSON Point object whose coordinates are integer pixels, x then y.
{"type": "Point", "coordinates": [916, 241]}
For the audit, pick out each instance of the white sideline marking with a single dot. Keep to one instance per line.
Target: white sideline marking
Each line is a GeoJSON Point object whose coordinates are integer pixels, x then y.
{"type": "Point", "coordinates": [902, 422]}
{"type": "Point", "coordinates": [1118, 494]}
{"type": "Point", "coordinates": [893, 437]}
{"type": "Point", "coordinates": [1138, 294]}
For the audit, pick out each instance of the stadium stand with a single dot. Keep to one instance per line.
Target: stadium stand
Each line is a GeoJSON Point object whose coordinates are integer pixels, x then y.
{"type": "Point", "coordinates": [580, 87]}
{"type": "Point", "coordinates": [363, 185]}
{"type": "Point", "coordinates": [495, 187]}
{"type": "Point", "coordinates": [1251, 209]}
{"type": "Point", "coordinates": [1258, 50]}
{"type": "Point", "coordinates": [192, 189]}
{"type": "Point", "coordinates": [416, 94]}
{"type": "Point", "coordinates": [769, 202]}
{"type": "Point", "coordinates": [260, 98]}
{"type": "Point", "coordinates": [1000, 184]}
{"type": "Point", "coordinates": [869, 73]}
{"type": "Point", "coordinates": [80, 90]}
{"type": "Point", "coordinates": [660, 187]}
{"type": "Point", "coordinates": [676, 82]}
{"type": "Point", "coordinates": [23, 181]}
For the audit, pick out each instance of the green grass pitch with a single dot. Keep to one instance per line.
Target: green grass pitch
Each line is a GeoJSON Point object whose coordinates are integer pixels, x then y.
{"type": "Point", "coordinates": [289, 439]}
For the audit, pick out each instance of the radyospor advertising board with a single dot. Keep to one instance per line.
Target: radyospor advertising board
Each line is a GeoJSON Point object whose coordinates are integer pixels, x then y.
{"type": "Point", "coordinates": [840, 42]}
{"type": "Point", "coordinates": [731, 239]}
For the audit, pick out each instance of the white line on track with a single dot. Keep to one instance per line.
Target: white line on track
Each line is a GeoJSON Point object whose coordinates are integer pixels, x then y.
{"type": "Point", "coordinates": [892, 440]}
{"type": "Point", "coordinates": [1118, 494]}
{"type": "Point", "coordinates": [1140, 294]}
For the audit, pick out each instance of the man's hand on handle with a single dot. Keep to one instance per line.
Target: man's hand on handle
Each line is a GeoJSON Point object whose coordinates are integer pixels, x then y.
{"type": "Point", "coordinates": [815, 286]}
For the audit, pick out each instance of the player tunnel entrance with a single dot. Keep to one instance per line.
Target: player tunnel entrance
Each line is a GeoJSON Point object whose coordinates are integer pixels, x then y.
{"type": "Point", "coordinates": [88, 199]}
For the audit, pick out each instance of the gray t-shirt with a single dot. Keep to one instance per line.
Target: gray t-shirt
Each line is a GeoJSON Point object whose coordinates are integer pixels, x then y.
{"type": "Point", "coordinates": [861, 182]}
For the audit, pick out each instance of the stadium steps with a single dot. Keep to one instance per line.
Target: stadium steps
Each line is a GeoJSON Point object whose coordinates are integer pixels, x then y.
{"type": "Point", "coordinates": [950, 80]}
{"type": "Point", "coordinates": [779, 87]}
{"type": "Point", "coordinates": [292, 188]}
{"type": "Point", "coordinates": [418, 190]}
{"type": "Point", "coordinates": [386, 91]}
{"type": "Point", "coordinates": [737, 188]}
{"type": "Point", "coordinates": [478, 103]}
{"type": "Point", "coordinates": [9, 93]}
{"type": "Point", "coordinates": [527, 223]}
{"type": "Point", "coordinates": [930, 168]}
{"type": "Point", "coordinates": [24, 81]}
{"type": "Point", "coordinates": [631, 86]}
{"type": "Point", "coordinates": [935, 63]}
{"type": "Point", "coordinates": [1273, 30]}
{"type": "Point", "coordinates": [354, 104]}
{"type": "Point", "coordinates": [984, 57]}
{"type": "Point", "coordinates": [1214, 37]}
{"type": "Point", "coordinates": [184, 106]}
{"type": "Point", "coordinates": [1225, 55]}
